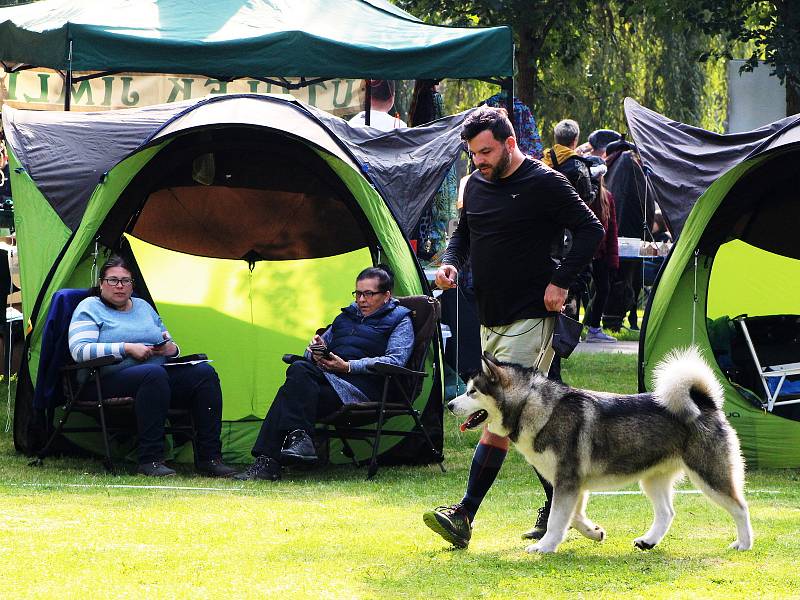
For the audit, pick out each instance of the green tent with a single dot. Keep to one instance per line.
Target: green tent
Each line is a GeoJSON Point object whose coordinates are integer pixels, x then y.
{"type": "Point", "coordinates": [248, 218]}
{"type": "Point", "coordinates": [249, 38]}
{"type": "Point", "coordinates": [737, 254]}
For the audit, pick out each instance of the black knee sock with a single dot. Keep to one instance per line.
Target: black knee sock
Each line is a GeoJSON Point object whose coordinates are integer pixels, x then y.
{"type": "Point", "coordinates": [548, 489]}
{"type": "Point", "coordinates": [486, 463]}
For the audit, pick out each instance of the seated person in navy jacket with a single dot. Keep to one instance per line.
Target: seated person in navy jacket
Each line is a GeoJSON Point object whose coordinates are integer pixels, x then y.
{"type": "Point", "coordinates": [373, 328]}
{"type": "Point", "coordinates": [111, 322]}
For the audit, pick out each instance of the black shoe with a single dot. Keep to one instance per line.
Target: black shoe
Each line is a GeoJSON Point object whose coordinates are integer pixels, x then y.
{"type": "Point", "coordinates": [214, 468]}
{"type": "Point", "coordinates": [540, 528]}
{"type": "Point", "coordinates": [450, 522]}
{"type": "Point", "coordinates": [264, 468]}
{"type": "Point", "coordinates": [298, 449]}
{"type": "Point", "coordinates": [155, 469]}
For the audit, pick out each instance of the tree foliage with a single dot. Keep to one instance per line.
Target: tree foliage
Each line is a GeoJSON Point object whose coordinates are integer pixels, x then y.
{"type": "Point", "coordinates": [580, 59]}
{"type": "Point", "coordinates": [769, 29]}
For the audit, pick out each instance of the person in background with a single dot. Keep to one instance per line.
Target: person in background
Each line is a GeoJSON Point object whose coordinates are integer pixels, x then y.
{"type": "Point", "coordinates": [636, 209]}
{"type": "Point", "coordinates": [606, 260]}
{"type": "Point", "coordinates": [381, 104]}
{"type": "Point", "coordinates": [112, 323]}
{"type": "Point", "coordinates": [598, 141]}
{"type": "Point", "coordinates": [5, 179]}
{"type": "Point", "coordinates": [563, 158]}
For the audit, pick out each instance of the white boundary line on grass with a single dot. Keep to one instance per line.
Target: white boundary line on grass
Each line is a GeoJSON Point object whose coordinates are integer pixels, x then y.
{"type": "Point", "coordinates": [129, 486]}
{"type": "Point", "coordinates": [638, 492]}
{"type": "Point", "coordinates": [248, 488]}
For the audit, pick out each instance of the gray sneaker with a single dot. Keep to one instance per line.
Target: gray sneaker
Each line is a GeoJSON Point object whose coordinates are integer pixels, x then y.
{"type": "Point", "coordinates": [298, 449]}
{"type": "Point", "coordinates": [450, 522]}
{"type": "Point", "coordinates": [596, 335]}
{"type": "Point", "coordinates": [155, 469]}
{"type": "Point", "coordinates": [264, 468]}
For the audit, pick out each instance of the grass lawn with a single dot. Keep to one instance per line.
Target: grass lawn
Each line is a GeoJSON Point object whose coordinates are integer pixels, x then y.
{"type": "Point", "coordinates": [67, 530]}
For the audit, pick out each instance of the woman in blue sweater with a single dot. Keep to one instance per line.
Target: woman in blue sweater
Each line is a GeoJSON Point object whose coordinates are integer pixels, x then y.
{"type": "Point", "coordinates": [112, 323]}
{"type": "Point", "coordinates": [337, 371]}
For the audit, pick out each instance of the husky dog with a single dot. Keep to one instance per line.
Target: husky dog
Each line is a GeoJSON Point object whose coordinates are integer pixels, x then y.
{"type": "Point", "coordinates": [581, 440]}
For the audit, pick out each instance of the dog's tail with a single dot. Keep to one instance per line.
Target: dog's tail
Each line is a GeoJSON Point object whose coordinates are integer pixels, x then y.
{"type": "Point", "coordinates": [685, 385]}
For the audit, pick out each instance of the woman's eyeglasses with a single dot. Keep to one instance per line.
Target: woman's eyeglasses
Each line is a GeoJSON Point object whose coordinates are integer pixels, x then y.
{"type": "Point", "coordinates": [115, 281]}
{"type": "Point", "coordinates": [368, 294]}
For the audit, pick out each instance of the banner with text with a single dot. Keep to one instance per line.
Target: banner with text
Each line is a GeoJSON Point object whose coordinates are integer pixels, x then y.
{"type": "Point", "coordinates": [43, 89]}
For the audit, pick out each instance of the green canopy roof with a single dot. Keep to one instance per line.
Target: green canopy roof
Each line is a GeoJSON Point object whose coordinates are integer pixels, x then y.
{"type": "Point", "coordinates": [249, 38]}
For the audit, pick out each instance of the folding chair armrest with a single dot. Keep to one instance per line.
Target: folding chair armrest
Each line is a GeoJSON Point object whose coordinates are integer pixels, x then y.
{"type": "Point", "coordinates": [389, 369]}
{"type": "Point", "coordinates": [187, 358]}
{"type": "Point", "coordinates": [95, 363]}
{"type": "Point", "coordinates": [292, 358]}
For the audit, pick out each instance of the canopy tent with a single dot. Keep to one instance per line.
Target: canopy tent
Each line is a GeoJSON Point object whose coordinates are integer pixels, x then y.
{"type": "Point", "coordinates": [248, 218]}
{"type": "Point", "coordinates": [737, 254]}
{"type": "Point", "coordinates": [315, 39]}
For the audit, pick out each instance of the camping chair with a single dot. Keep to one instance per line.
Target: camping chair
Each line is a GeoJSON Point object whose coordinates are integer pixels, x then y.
{"type": "Point", "coordinates": [779, 372]}
{"type": "Point", "coordinates": [366, 421]}
{"type": "Point", "coordinates": [58, 382]}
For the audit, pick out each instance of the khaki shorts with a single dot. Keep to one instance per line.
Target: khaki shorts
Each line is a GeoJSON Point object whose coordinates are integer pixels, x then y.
{"type": "Point", "coordinates": [528, 342]}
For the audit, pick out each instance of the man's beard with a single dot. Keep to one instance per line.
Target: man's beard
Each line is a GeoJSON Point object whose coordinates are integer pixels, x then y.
{"type": "Point", "coordinates": [498, 170]}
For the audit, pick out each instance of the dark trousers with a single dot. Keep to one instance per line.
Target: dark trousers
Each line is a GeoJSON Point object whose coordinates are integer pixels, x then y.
{"type": "Point", "coordinates": [156, 389]}
{"type": "Point", "coordinates": [600, 273]}
{"type": "Point", "coordinates": [305, 396]}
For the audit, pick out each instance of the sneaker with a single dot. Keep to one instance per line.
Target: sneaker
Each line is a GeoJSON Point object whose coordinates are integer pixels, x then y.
{"type": "Point", "coordinates": [264, 468]}
{"type": "Point", "coordinates": [595, 334]}
{"type": "Point", "coordinates": [540, 528]}
{"type": "Point", "coordinates": [298, 449]}
{"type": "Point", "coordinates": [155, 469]}
{"type": "Point", "coordinates": [450, 522]}
{"type": "Point", "coordinates": [214, 468]}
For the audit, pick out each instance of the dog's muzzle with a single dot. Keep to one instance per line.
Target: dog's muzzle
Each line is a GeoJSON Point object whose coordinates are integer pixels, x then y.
{"type": "Point", "coordinates": [473, 420]}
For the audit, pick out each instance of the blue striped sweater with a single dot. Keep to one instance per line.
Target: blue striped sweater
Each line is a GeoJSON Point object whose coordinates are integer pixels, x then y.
{"type": "Point", "coordinates": [98, 330]}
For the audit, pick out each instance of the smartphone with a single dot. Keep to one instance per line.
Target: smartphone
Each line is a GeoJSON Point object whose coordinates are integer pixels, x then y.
{"type": "Point", "coordinates": [320, 349]}
{"type": "Point", "coordinates": [160, 344]}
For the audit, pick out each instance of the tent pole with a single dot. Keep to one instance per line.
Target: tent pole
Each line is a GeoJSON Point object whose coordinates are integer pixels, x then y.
{"type": "Point", "coordinates": [68, 80]}
{"type": "Point", "coordinates": [367, 101]}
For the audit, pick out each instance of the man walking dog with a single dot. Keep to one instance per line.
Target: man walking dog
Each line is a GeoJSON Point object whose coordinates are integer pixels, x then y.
{"type": "Point", "coordinates": [512, 223]}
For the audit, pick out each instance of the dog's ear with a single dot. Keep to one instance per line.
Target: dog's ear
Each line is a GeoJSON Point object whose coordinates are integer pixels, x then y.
{"type": "Point", "coordinates": [490, 367]}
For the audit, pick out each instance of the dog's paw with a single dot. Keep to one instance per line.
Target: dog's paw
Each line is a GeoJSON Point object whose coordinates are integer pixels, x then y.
{"type": "Point", "coordinates": [598, 534]}
{"type": "Point", "coordinates": [641, 544]}
{"type": "Point", "coordinates": [540, 548]}
{"type": "Point", "coordinates": [738, 545]}
{"type": "Point", "coordinates": [593, 532]}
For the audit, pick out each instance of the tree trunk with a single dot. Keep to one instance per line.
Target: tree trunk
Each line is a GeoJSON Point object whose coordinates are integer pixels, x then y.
{"type": "Point", "coordinates": [527, 70]}
{"type": "Point", "coordinates": [792, 96]}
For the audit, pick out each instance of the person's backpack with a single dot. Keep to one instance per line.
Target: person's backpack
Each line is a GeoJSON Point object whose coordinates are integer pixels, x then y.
{"type": "Point", "coordinates": [576, 170]}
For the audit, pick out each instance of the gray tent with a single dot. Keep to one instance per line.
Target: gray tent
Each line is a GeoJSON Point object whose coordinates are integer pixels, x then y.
{"type": "Point", "coordinates": [682, 161]}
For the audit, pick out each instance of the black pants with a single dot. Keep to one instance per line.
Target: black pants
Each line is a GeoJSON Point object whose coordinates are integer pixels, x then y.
{"type": "Point", "coordinates": [156, 389]}
{"type": "Point", "coordinates": [600, 272]}
{"type": "Point", "coordinates": [305, 396]}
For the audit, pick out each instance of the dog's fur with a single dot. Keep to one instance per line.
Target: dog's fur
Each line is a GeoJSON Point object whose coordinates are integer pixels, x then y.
{"type": "Point", "coordinates": [581, 440]}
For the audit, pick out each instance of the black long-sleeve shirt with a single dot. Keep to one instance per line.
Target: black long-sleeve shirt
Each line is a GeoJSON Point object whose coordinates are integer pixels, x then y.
{"type": "Point", "coordinates": [509, 228]}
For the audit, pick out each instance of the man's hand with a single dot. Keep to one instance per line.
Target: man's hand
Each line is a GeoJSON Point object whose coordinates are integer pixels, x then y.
{"type": "Point", "coordinates": [315, 341]}
{"type": "Point", "coordinates": [446, 277]}
{"type": "Point", "coordinates": [334, 364]}
{"type": "Point", "coordinates": [554, 298]}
